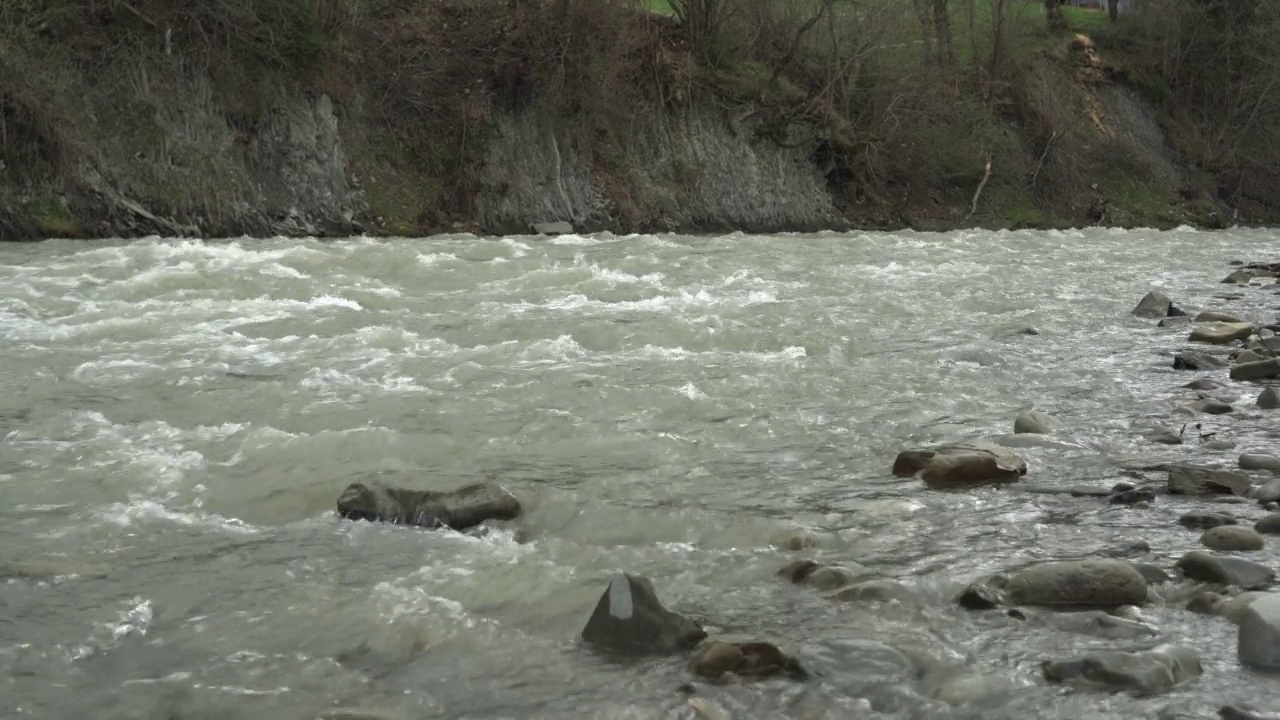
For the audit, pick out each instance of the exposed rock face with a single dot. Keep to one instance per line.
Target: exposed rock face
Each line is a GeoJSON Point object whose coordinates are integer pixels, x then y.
{"type": "Point", "coordinates": [630, 619]}
{"type": "Point", "coordinates": [1033, 422]}
{"type": "Point", "coordinates": [962, 465]}
{"type": "Point", "coordinates": [1147, 672]}
{"type": "Point", "coordinates": [1231, 538]}
{"type": "Point", "coordinates": [1258, 640]}
{"type": "Point", "coordinates": [1154, 304]}
{"type": "Point", "coordinates": [1226, 570]}
{"type": "Point", "coordinates": [458, 509]}
{"type": "Point", "coordinates": [1089, 583]}
{"type": "Point", "coordinates": [1195, 480]}
{"type": "Point", "coordinates": [750, 660]}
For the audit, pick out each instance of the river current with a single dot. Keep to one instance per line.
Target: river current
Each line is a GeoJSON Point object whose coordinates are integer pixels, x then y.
{"type": "Point", "coordinates": [178, 417]}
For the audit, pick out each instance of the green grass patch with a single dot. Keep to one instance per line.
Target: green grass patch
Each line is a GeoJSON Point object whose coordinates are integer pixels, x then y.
{"type": "Point", "coordinates": [51, 219]}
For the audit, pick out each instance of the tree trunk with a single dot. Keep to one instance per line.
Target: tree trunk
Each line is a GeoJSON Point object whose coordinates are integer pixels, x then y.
{"type": "Point", "coordinates": [926, 33]}
{"type": "Point", "coordinates": [942, 32]}
{"type": "Point", "coordinates": [1053, 15]}
{"type": "Point", "coordinates": [1113, 9]}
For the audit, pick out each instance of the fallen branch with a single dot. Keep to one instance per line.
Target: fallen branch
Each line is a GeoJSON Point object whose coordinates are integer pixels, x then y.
{"type": "Point", "coordinates": [977, 195]}
{"type": "Point", "coordinates": [1043, 155]}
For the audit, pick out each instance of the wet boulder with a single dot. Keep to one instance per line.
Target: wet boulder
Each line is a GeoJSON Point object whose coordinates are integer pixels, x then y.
{"type": "Point", "coordinates": [458, 509]}
{"type": "Point", "coordinates": [1078, 583]}
{"type": "Point", "coordinates": [1205, 520]}
{"type": "Point", "coordinates": [1215, 316]}
{"type": "Point", "coordinates": [1258, 639]}
{"type": "Point", "coordinates": [726, 661]}
{"type": "Point", "coordinates": [1221, 333]}
{"type": "Point", "coordinates": [1258, 370]}
{"type": "Point", "coordinates": [822, 577]}
{"type": "Point", "coordinates": [1259, 461]}
{"type": "Point", "coordinates": [1211, 406]}
{"type": "Point", "coordinates": [1244, 712]}
{"type": "Point", "coordinates": [1144, 672]}
{"type": "Point", "coordinates": [1268, 399]}
{"type": "Point", "coordinates": [961, 465]}
{"type": "Point", "coordinates": [1269, 525]}
{"type": "Point", "coordinates": [1206, 602]}
{"type": "Point", "coordinates": [1197, 480]}
{"type": "Point", "coordinates": [1231, 538]}
{"type": "Point", "coordinates": [1268, 493]}
{"type": "Point", "coordinates": [1226, 570]}
{"type": "Point", "coordinates": [875, 591]}
{"type": "Point", "coordinates": [630, 619]}
{"type": "Point", "coordinates": [1196, 360]}
{"type": "Point", "coordinates": [1033, 422]}
{"type": "Point", "coordinates": [1154, 304]}
{"type": "Point", "coordinates": [981, 595]}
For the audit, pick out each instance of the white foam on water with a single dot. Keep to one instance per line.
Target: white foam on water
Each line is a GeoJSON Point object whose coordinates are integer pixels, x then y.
{"type": "Point", "coordinates": [141, 511]}
{"type": "Point", "coordinates": [518, 249]}
{"type": "Point", "coordinates": [692, 392]}
{"type": "Point", "coordinates": [572, 239]}
{"type": "Point", "coordinates": [430, 259]}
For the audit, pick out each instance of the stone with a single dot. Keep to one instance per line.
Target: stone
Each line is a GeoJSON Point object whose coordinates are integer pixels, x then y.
{"type": "Point", "coordinates": [1165, 437]}
{"type": "Point", "coordinates": [875, 591]}
{"type": "Point", "coordinates": [1211, 406]}
{"type": "Point", "coordinates": [630, 619]}
{"type": "Point", "coordinates": [1215, 316]}
{"type": "Point", "coordinates": [981, 596]}
{"type": "Point", "coordinates": [1154, 304]}
{"type": "Point", "coordinates": [1033, 422]}
{"type": "Point", "coordinates": [1144, 672]}
{"type": "Point", "coordinates": [1175, 321]}
{"type": "Point", "coordinates": [1269, 525]}
{"type": "Point", "coordinates": [1231, 538]}
{"type": "Point", "coordinates": [1233, 608]}
{"type": "Point", "coordinates": [1205, 520]}
{"type": "Point", "coordinates": [798, 542]}
{"type": "Point", "coordinates": [1206, 602]}
{"type": "Point", "coordinates": [1091, 583]}
{"type": "Point", "coordinates": [1242, 712]}
{"type": "Point", "coordinates": [1247, 356]}
{"type": "Point", "coordinates": [1153, 574]}
{"type": "Point", "coordinates": [1100, 624]}
{"type": "Point", "coordinates": [1197, 480]}
{"type": "Point", "coordinates": [559, 227]}
{"type": "Point", "coordinates": [829, 578]}
{"type": "Point", "coordinates": [1133, 548]}
{"type": "Point", "coordinates": [1088, 491]}
{"type": "Point", "coordinates": [1225, 570]}
{"type": "Point", "coordinates": [1259, 461]}
{"type": "Point", "coordinates": [1221, 333]}
{"type": "Point", "coordinates": [1133, 497]}
{"type": "Point", "coordinates": [1196, 360]}
{"type": "Point", "coordinates": [1259, 370]}
{"type": "Point", "coordinates": [1205, 383]}
{"type": "Point", "coordinates": [1238, 277]}
{"type": "Point", "coordinates": [1122, 487]}
{"type": "Point", "coordinates": [1258, 637]}
{"type": "Point", "coordinates": [962, 465]}
{"type": "Point", "coordinates": [723, 661]}
{"type": "Point", "coordinates": [1268, 493]}
{"type": "Point", "coordinates": [458, 509]}
{"type": "Point", "coordinates": [798, 570]}
{"type": "Point", "coordinates": [1268, 399]}
{"type": "Point", "coordinates": [1218, 445]}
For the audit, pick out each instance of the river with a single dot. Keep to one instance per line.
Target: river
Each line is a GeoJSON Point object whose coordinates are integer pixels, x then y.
{"type": "Point", "coordinates": [178, 417]}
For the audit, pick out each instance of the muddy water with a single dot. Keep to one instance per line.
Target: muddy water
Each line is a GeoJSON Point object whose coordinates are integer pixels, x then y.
{"type": "Point", "coordinates": [178, 418]}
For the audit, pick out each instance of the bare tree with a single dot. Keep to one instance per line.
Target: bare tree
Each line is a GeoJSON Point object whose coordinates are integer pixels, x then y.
{"type": "Point", "coordinates": [1054, 17]}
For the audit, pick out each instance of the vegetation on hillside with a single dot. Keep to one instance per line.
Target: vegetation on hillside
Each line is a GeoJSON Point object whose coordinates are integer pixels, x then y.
{"type": "Point", "coordinates": [947, 112]}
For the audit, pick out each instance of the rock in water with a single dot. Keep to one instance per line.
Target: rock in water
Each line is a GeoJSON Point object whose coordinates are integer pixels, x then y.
{"type": "Point", "coordinates": [1258, 639]}
{"type": "Point", "coordinates": [558, 227]}
{"type": "Point", "coordinates": [962, 465]}
{"type": "Point", "coordinates": [981, 596]}
{"type": "Point", "coordinates": [1146, 672]}
{"type": "Point", "coordinates": [1196, 480]}
{"type": "Point", "coordinates": [1269, 525]}
{"type": "Point", "coordinates": [1154, 304]}
{"type": "Point", "coordinates": [1268, 493]}
{"type": "Point", "coordinates": [750, 660]}
{"type": "Point", "coordinates": [1240, 712]}
{"type": "Point", "coordinates": [1215, 316]}
{"type": "Point", "coordinates": [1221, 333]}
{"type": "Point", "coordinates": [1259, 370]}
{"type": "Point", "coordinates": [458, 509]}
{"type": "Point", "coordinates": [1211, 406]}
{"type": "Point", "coordinates": [1196, 360]}
{"type": "Point", "coordinates": [1231, 538]}
{"type": "Point", "coordinates": [1259, 461]}
{"type": "Point", "coordinates": [1205, 520]}
{"type": "Point", "coordinates": [1033, 422]}
{"type": "Point", "coordinates": [1225, 570]}
{"type": "Point", "coordinates": [1269, 399]}
{"type": "Point", "coordinates": [1091, 583]}
{"type": "Point", "coordinates": [630, 619]}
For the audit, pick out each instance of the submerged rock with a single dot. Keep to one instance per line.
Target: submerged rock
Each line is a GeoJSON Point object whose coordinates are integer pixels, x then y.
{"type": "Point", "coordinates": [1090, 583]}
{"type": "Point", "coordinates": [875, 591]}
{"type": "Point", "coordinates": [458, 509]}
{"type": "Point", "coordinates": [1268, 399]}
{"type": "Point", "coordinates": [1259, 461]}
{"type": "Point", "coordinates": [1132, 497]}
{"type": "Point", "coordinates": [1174, 321]}
{"type": "Point", "coordinates": [1231, 538]}
{"type": "Point", "coordinates": [1215, 316]}
{"type": "Point", "coordinates": [1100, 624]}
{"type": "Point", "coordinates": [629, 618]}
{"type": "Point", "coordinates": [1258, 639]}
{"type": "Point", "coordinates": [1204, 383]}
{"type": "Point", "coordinates": [961, 465]}
{"type": "Point", "coordinates": [1144, 672]}
{"type": "Point", "coordinates": [1197, 480]}
{"type": "Point", "coordinates": [1225, 570]}
{"type": "Point", "coordinates": [1033, 422]}
{"type": "Point", "coordinates": [724, 661]}
{"type": "Point", "coordinates": [1154, 304]}
{"type": "Point", "coordinates": [1211, 406]}
{"type": "Point", "coordinates": [1206, 602]}
{"type": "Point", "coordinates": [1205, 520]}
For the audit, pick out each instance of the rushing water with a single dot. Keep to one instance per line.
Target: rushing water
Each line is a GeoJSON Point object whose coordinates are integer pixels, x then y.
{"type": "Point", "coordinates": [178, 418]}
